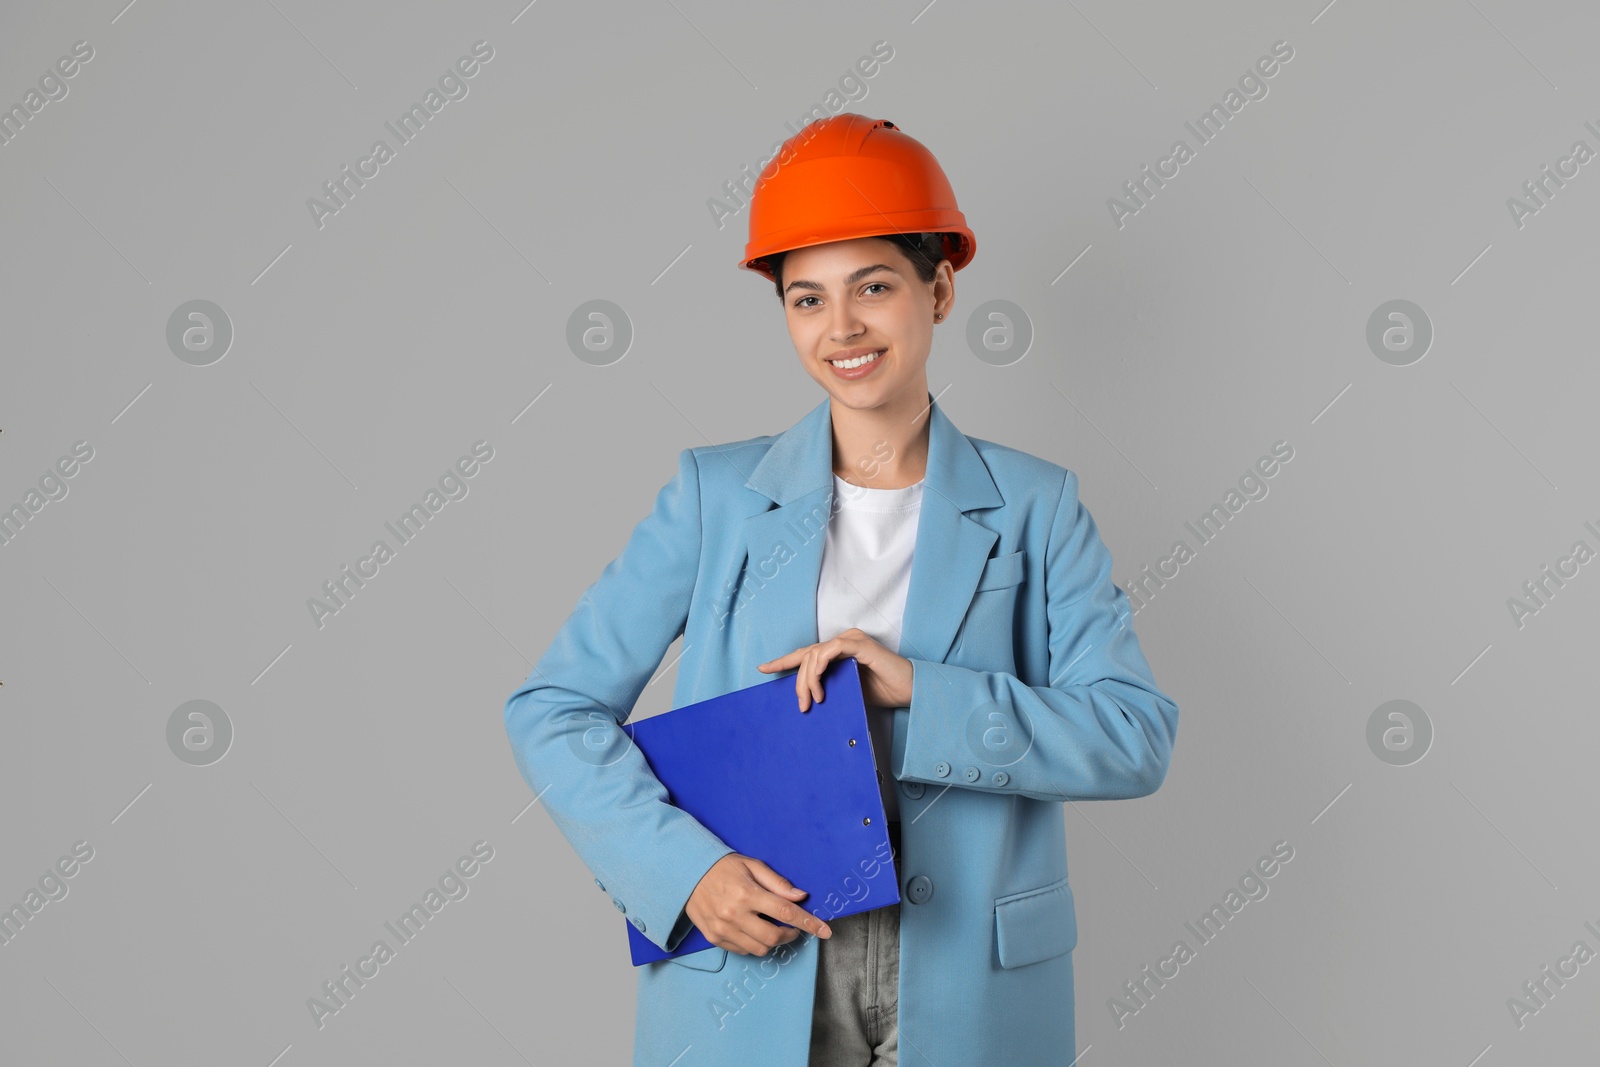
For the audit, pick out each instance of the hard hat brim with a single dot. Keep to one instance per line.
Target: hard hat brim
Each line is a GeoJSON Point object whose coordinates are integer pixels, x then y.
{"type": "Point", "coordinates": [908, 224]}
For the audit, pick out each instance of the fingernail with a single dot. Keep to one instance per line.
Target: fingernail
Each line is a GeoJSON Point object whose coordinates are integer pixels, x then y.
{"type": "Point", "coordinates": [827, 931]}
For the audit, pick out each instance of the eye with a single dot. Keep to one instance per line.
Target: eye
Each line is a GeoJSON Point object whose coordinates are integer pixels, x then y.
{"type": "Point", "coordinates": [878, 285]}
{"type": "Point", "coordinates": [802, 301]}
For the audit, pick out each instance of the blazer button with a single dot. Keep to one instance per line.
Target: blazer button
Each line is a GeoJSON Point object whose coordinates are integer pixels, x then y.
{"type": "Point", "coordinates": [971, 774]}
{"type": "Point", "coordinates": [1001, 778]}
{"type": "Point", "coordinates": [919, 889]}
{"type": "Point", "coordinates": [941, 769]}
{"type": "Point", "coordinates": [639, 923]}
{"type": "Point", "coordinates": [601, 884]}
{"type": "Point", "coordinates": [912, 789]}
{"type": "Point", "coordinates": [618, 903]}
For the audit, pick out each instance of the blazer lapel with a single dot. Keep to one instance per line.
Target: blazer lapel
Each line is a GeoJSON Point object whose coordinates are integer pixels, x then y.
{"type": "Point", "coordinates": [951, 547]}
{"type": "Point", "coordinates": [784, 544]}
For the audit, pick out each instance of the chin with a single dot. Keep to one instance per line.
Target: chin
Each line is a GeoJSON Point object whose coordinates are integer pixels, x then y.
{"type": "Point", "coordinates": [863, 398]}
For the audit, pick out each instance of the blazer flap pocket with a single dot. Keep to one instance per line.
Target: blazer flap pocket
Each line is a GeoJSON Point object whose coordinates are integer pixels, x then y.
{"type": "Point", "coordinates": [1035, 925]}
{"type": "Point", "coordinates": [707, 959]}
{"type": "Point", "coordinates": [1000, 572]}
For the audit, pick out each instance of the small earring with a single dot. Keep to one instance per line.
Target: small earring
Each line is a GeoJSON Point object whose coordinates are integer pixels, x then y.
{"type": "Point", "coordinates": [937, 315]}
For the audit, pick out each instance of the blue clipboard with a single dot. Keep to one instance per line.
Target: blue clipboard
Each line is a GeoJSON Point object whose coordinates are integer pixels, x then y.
{"type": "Point", "coordinates": [796, 790]}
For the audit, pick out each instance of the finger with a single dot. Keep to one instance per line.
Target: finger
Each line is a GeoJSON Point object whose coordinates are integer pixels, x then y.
{"type": "Point", "coordinates": [774, 887]}
{"type": "Point", "coordinates": [779, 933]}
{"type": "Point", "coordinates": [786, 934]}
{"type": "Point", "coordinates": [759, 934]}
{"type": "Point", "coordinates": [736, 940]}
{"type": "Point", "coordinates": [782, 663]}
{"type": "Point", "coordinates": [735, 932]}
{"type": "Point", "coordinates": [819, 663]}
{"type": "Point", "coordinates": [785, 911]}
{"type": "Point", "coordinates": [773, 882]}
{"type": "Point", "coordinates": [800, 685]}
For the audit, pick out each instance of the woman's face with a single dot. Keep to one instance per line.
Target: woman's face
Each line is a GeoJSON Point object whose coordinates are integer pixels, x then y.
{"type": "Point", "coordinates": [848, 298]}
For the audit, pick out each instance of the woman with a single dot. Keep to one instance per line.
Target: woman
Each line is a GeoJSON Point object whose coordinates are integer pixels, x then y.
{"type": "Point", "coordinates": [995, 652]}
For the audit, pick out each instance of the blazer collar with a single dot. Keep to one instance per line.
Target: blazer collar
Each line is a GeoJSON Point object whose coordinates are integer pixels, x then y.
{"type": "Point", "coordinates": [800, 461]}
{"type": "Point", "coordinates": [784, 544]}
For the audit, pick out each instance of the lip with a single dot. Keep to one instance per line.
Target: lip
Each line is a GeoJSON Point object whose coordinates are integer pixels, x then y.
{"type": "Point", "coordinates": [856, 372]}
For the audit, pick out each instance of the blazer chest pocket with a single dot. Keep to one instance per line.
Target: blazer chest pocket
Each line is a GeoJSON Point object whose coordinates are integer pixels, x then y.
{"type": "Point", "coordinates": [1001, 572]}
{"type": "Point", "coordinates": [707, 959]}
{"type": "Point", "coordinates": [985, 639]}
{"type": "Point", "coordinates": [1034, 925]}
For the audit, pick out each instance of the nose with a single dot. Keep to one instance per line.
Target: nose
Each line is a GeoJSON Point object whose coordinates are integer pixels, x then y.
{"type": "Point", "coordinates": [844, 325]}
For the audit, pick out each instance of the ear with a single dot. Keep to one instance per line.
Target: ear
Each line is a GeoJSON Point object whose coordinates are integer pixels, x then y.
{"type": "Point", "coordinates": [944, 287]}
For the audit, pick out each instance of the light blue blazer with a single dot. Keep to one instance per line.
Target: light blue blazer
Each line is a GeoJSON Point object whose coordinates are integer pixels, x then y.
{"type": "Point", "coordinates": [1029, 689]}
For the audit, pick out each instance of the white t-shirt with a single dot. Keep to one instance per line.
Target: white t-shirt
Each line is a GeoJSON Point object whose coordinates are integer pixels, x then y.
{"type": "Point", "coordinates": [866, 573]}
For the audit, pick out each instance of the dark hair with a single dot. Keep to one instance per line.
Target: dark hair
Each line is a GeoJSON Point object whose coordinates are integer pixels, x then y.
{"type": "Point", "coordinates": [924, 250]}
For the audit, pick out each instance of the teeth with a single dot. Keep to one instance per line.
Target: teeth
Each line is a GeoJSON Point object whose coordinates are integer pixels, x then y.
{"type": "Point", "coordinates": [860, 361]}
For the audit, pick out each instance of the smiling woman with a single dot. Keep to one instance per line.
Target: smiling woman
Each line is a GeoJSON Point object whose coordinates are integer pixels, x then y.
{"type": "Point", "coordinates": [1000, 670]}
{"type": "Point", "coordinates": [861, 314]}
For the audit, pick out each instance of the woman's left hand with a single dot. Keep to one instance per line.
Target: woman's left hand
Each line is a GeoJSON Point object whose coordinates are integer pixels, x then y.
{"type": "Point", "coordinates": [885, 676]}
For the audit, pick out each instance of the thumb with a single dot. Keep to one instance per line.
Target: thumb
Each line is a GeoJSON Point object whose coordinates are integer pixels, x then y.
{"type": "Point", "coordinates": [773, 882]}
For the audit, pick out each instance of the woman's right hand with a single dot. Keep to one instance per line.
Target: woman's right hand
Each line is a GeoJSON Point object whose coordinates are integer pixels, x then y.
{"type": "Point", "coordinates": [733, 900]}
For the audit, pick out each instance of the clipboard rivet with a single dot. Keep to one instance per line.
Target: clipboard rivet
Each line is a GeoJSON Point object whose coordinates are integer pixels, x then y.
{"type": "Point", "coordinates": [867, 821]}
{"type": "Point", "coordinates": [852, 742]}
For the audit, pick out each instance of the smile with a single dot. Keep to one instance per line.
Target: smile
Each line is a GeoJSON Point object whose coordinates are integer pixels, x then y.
{"type": "Point", "coordinates": [859, 361]}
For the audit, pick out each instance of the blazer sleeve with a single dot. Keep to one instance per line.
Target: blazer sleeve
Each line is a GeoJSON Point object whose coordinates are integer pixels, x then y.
{"type": "Point", "coordinates": [1101, 730]}
{"type": "Point", "coordinates": [565, 721]}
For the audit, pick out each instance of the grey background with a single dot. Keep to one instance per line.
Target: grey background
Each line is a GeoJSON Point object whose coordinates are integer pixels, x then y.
{"type": "Point", "coordinates": [369, 354]}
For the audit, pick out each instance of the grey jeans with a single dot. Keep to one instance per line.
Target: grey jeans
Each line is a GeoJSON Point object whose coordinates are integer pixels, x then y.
{"type": "Point", "coordinates": [853, 1023]}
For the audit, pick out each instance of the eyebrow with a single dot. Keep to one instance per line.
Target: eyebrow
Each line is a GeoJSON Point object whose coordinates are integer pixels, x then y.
{"type": "Point", "coordinates": [855, 276]}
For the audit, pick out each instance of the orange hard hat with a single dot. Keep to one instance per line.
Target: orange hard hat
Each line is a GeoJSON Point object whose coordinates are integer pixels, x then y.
{"type": "Point", "coordinates": [849, 176]}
